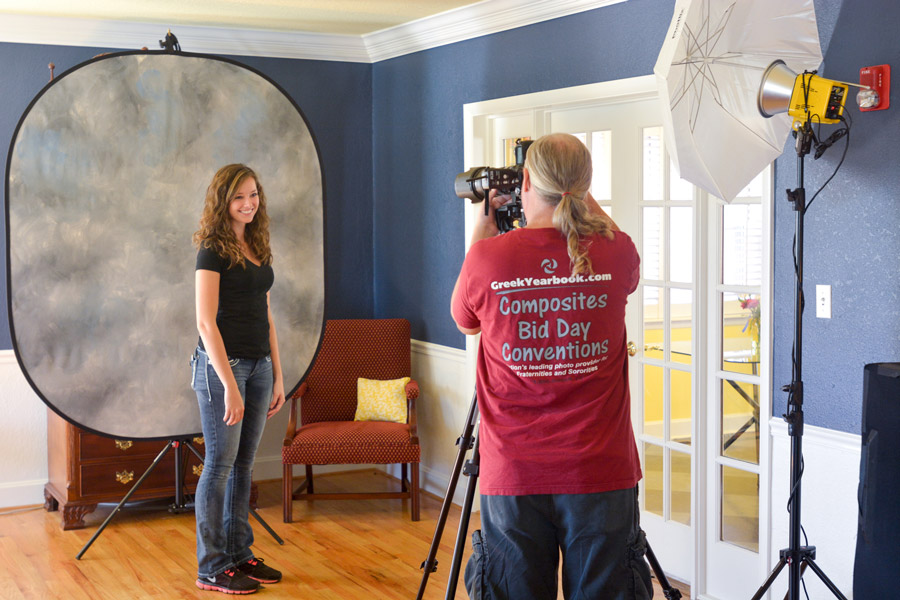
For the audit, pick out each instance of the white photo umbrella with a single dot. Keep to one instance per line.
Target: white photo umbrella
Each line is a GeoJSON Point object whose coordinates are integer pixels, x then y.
{"type": "Point", "coordinates": [709, 71]}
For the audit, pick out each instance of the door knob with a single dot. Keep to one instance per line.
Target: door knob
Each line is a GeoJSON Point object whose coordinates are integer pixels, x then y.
{"type": "Point", "coordinates": [632, 349]}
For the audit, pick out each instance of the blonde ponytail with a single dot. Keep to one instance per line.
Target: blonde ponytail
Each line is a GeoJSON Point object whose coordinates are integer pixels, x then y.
{"type": "Point", "coordinates": [560, 169]}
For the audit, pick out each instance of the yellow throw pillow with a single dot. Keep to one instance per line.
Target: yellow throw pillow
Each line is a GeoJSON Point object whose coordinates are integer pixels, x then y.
{"type": "Point", "coordinates": [378, 400]}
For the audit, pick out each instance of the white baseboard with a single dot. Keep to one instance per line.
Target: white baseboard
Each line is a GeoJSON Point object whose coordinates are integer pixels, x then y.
{"type": "Point", "coordinates": [22, 493]}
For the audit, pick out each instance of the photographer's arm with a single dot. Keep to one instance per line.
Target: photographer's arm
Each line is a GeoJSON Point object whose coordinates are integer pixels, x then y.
{"type": "Point", "coordinates": [485, 227]}
{"type": "Point", "coordinates": [453, 297]}
{"type": "Point", "coordinates": [595, 208]}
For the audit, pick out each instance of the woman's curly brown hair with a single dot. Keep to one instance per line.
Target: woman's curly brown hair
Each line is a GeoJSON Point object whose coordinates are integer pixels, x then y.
{"type": "Point", "coordinates": [215, 230]}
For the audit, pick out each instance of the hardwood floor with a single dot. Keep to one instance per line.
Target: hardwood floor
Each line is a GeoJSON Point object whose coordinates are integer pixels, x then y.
{"type": "Point", "coordinates": [334, 550]}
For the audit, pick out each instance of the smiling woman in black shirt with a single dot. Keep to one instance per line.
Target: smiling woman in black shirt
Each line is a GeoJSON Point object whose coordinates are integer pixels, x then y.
{"type": "Point", "coordinates": [236, 375]}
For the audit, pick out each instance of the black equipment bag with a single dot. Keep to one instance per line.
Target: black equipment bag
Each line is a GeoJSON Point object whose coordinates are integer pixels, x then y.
{"type": "Point", "coordinates": [878, 535]}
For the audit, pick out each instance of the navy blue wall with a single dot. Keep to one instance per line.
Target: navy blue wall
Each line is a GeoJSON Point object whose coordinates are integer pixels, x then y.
{"type": "Point", "coordinates": [408, 110]}
{"type": "Point", "coordinates": [418, 133]}
{"type": "Point", "coordinates": [336, 99]}
{"type": "Point", "coordinates": [852, 234]}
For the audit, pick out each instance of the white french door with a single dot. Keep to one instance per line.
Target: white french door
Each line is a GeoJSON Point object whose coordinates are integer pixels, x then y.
{"type": "Point", "coordinates": [696, 389]}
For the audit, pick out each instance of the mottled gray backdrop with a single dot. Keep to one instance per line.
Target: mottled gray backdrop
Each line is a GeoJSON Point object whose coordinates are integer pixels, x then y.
{"type": "Point", "coordinates": [106, 182]}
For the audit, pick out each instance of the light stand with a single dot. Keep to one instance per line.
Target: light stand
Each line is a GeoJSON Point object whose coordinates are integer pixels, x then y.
{"type": "Point", "coordinates": [469, 441]}
{"type": "Point", "coordinates": [179, 505]}
{"type": "Point", "coordinates": [797, 557]}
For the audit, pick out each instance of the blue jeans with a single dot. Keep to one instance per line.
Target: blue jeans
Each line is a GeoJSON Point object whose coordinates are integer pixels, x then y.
{"type": "Point", "coordinates": [222, 501]}
{"type": "Point", "coordinates": [516, 551]}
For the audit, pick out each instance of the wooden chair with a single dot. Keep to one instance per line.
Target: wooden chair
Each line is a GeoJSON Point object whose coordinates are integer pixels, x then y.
{"type": "Point", "coordinates": [328, 435]}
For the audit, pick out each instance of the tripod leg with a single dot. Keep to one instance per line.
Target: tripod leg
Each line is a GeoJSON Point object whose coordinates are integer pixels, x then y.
{"type": "Point", "coordinates": [828, 583]}
{"type": "Point", "coordinates": [266, 526]}
{"type": "Point", "coordinates": [669, 592]}
{"type": "Point", "coordinates": [464, 442]}
{"type": "Point", "coordinates": [464, 516]}
{"type": "Point", "coordinates": [765, 586]}
{"type": "Point", "coordinates": [118, 507]}
{"type": "Point", "coordinates": [179, 506]}
{"type": "Point", "coordinates": [252, 510]}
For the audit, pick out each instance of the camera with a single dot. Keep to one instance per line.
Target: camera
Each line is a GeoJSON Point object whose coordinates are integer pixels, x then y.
{"type": "Point", "coordinates": [476, 183]}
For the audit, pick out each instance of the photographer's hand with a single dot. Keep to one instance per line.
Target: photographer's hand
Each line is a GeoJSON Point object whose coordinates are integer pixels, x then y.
{"type": "Point", "coordinates": [486, 224]}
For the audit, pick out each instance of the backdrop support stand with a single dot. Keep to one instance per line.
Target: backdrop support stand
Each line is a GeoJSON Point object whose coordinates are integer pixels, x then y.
{"type": "Point", "coordinates": [179, 506]}
{"type": "Point", "coordinates": [469, 441]}
{"type": "Point", "coordinates": [796, 556]}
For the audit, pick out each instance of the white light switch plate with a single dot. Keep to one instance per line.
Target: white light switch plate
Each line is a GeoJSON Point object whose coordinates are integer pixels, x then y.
{"type": "Point", "coordinates": [823, 301]}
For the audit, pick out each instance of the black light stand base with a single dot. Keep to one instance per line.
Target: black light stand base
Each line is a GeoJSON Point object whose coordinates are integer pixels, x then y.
{"type": "Point", "coordinates": [179, 506]}
{"type": "Point", "coordinates": [127, 497]}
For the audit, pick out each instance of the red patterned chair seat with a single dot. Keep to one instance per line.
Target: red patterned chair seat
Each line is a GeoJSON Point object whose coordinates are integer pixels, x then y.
{"type": "Point", "coordinates": [351, 442]}
{"type": "Point", "coordinates": [321, 429]}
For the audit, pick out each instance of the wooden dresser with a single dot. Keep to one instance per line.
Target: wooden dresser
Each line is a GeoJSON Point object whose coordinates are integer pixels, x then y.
{"type": "Point", "coordinates": [86, 469]}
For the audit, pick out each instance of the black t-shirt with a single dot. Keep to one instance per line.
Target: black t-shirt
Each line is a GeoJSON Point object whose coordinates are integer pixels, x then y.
{"type": "Point", "coordinates": [243, 315]}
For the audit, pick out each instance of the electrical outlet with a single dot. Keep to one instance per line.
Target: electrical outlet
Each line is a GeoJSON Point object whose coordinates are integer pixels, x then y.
{"type": "Point", "coordinates": [823, 301]}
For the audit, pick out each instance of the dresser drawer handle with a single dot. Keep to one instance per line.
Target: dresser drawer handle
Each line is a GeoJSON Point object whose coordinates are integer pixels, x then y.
{"type": "Point", "coordinates": [124, 445]}
{"type": "Point", "coordinates": [198, 440]}
{"type": "Point", "coordinates": [124, 477]}
{"type": "Point", "coordinates": [197, 469]}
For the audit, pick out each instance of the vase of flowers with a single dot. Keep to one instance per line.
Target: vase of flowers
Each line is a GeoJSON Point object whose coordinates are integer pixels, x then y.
{"type": "Point", "coordinates": [751, 327]}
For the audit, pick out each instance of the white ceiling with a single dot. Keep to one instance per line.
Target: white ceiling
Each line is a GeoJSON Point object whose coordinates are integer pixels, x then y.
{"type": "Point", "coordinates": [353, 17]}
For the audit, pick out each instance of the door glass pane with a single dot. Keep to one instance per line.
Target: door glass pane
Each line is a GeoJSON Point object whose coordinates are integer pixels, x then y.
{"type": "Point", "coordinates": [601, 153]}
{"type": "Point", "coordinates": [681, 419]}
{"type": "Point", "coordinates": [742, 244]}
{"type": "Point", "coordinates": [740, 332]}
{"type": "Point", "coordinates": [740, 421]}
{"type": "Point", "coordinates": [681, 311]}
{"type": "Point", "coordinates": [653, 322]}
{"type": "Point", "coordinates": [681, 236]}
{"type": "Point", "coordinates": [653, 479]}
{"type": "Point", "coordinates": [679, 189]}
{"type": "Point", "coordinates": [653, 401]}
{"type": "Point", "coordinates": [740, 508]}
{"type": "Point", "coordinates": [654, 167]}
{"type": "Point", "coordinates": [651, 260]}
{"type": "Point", "coordinates": [680, 489]}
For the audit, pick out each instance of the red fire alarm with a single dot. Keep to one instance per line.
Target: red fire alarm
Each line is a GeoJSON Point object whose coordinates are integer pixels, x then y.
{"type": "Point", "coordinates": [878, 79]}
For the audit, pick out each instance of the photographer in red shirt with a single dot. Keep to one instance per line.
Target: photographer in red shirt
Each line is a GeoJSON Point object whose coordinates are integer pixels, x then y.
{"type": "Point", "coordinates": [559, 466]}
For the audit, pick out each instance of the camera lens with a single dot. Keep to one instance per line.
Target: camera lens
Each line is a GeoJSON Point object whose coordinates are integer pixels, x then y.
{"type": "Point", "coordinates": [472, 184]}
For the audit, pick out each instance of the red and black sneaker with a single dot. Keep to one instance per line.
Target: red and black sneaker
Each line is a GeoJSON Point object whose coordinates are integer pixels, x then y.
{"type": "Point", "coordinates": [228, 582]}
{"type": "Point", "coordinates": [255, 569]}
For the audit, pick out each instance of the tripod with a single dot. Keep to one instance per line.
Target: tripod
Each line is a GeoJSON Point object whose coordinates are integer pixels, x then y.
{"type": "Point", "coordinates": [797, 557]}
{"type": "Point", "coordinates": [469, 441]}
{"type": "Point", "coordinates": [179, 506]}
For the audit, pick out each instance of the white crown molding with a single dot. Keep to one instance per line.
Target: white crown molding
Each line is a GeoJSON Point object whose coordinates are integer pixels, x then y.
{"type": "Point", "coordinates": [59, 31]}
{"type": "Point", "coordinates": [484, 18]}
{"type": "Point", "coordinates": [468, 22]}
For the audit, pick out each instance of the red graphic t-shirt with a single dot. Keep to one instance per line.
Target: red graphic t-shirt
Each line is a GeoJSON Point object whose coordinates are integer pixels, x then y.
{"type": "Point", "coordinates": [552, 375]}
